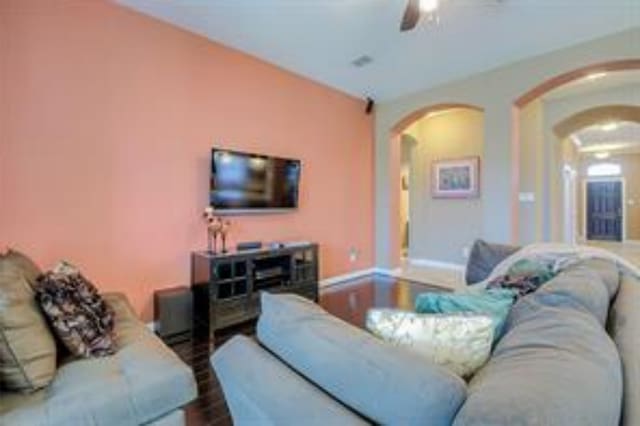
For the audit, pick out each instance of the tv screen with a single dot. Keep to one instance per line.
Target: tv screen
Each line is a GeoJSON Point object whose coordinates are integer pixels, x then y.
{"type": "Point", "coordinates": [245, 182]}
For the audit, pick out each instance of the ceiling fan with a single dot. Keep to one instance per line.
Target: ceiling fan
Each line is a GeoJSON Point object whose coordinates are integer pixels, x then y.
{"type": "Point", "coordinates": [414, 10]}
{"type": "Point", "coordinates": [418, 8]}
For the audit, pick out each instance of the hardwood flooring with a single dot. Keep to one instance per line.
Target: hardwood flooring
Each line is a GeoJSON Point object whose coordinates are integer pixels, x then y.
{"type": "Point", "coordinates": [349, 301]}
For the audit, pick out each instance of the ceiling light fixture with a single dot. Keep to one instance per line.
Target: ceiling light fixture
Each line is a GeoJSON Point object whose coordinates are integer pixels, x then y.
{"type": "Point", "coordinates": [602, 155]}
{"type": "Point", "coordinates": [429, 6]}
{"type": "Point", "coordinates": [591, 149]}
{"type": "Point", "coordinates": [596, 76]}
{"type": "Point", "coordinates": [430, 10]}
{"type": "Point", "coordinates": [609, 127]}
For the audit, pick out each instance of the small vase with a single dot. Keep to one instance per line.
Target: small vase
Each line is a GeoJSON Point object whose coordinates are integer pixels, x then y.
{"type": "Point", "coordinates": [223, 236]}
{"type": "Point", "coordinates": [210, 244]}
{"type": "Point", "coordinates": [215, 243]}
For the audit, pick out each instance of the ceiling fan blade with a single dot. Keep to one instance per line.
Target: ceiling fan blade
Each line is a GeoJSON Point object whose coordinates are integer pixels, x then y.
{"type": "Point", "coordinates": [411, 15]}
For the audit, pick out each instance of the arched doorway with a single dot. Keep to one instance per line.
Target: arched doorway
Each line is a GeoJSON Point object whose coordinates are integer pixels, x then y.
{"type": "Point", "coordinates": [446, 131]}
{"type": "Point", "coordinates": [539, 175]}
{"type": "Point", "coordinates": [605, 142]}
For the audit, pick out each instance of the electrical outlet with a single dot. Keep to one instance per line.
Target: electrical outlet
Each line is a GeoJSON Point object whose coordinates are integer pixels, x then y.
{"type": "Point", "coordinates": [353, 254]}
{"type": "Point", "coordinates": [466, 251]}
{"type": "Point", "coordinates": [527, 197]}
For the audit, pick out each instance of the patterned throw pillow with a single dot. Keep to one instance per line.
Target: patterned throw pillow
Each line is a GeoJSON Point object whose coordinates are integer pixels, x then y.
{"type": "Point", "coordinates": [525, 276]}
{"type": "Point", "coordinates": [458, 342]}
{"type": "Point", "coordinates": [78, 315]}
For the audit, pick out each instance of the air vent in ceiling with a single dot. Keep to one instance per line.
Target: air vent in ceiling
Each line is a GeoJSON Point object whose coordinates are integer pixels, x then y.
{"type": "Point", "coordinates": [362, 61]}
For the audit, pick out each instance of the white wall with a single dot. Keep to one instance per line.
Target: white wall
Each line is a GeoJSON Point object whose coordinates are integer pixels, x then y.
{"type": "Point", "coordinates": [532, 179]}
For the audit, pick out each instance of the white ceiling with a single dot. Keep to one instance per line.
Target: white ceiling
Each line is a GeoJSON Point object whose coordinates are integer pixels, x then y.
{"type": "Point", "coordinates": [320, 38]}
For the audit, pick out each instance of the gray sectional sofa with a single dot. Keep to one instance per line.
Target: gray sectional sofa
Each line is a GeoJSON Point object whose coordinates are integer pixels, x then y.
{"type": "Point", "coordinates": [143, 383]}
{"type": "Point", "coordinates": [570, 355]}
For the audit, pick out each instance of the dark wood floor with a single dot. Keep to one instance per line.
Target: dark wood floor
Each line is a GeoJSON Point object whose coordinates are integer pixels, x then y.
{"type": "Point", "coordinates": [349, 301]}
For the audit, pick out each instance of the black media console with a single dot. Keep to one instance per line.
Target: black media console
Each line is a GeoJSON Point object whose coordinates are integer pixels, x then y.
{"type": "Point", "coordinates": [226, 287]}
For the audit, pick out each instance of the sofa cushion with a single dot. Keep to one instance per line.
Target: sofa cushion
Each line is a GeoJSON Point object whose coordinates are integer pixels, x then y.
{"type": "Point", "coordinates": [143, 381]}
{"type": "Point", "coordinates": [624, 325]}
{"type": "Point", "coordinates": [262, 390]}
{"type": "Point", "coordinates": [554, 366]}
{"type": "Point", "coordinates": [484, 257]}
{"type": "Point", "coordinates": [384, 383]}
{"type": "Point", "coordinates": [27, 348]}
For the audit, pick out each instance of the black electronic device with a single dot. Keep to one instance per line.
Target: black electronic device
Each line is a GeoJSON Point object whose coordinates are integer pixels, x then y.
{"type": "Point", "coordinates": [251, 183]}
{"type": "Point", "coordinates": [249, 245]}
{"type": "Point", "coordinates": [173, 313]}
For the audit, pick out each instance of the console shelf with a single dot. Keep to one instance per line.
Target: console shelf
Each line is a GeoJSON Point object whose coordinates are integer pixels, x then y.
{"type": "Point", "coordinates": [226, 286]}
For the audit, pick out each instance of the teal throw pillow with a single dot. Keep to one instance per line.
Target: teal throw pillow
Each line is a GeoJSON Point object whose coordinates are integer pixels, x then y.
{"type": "Point", "coordinates": [495, 303]}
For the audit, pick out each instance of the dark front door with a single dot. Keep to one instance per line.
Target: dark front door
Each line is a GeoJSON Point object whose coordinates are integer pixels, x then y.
{"type": "Point", "coordinates": [604, 211]}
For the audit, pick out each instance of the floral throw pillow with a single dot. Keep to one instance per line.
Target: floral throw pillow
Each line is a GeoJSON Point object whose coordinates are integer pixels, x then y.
{"type": "Point", "coordinates": [78, 315]}
{"type": "Point", "coordinates": [460, 342]}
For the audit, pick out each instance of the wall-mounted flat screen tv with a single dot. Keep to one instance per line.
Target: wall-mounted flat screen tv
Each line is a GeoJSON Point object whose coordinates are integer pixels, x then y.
{"type": "Point", "coordinates": [245, 183]}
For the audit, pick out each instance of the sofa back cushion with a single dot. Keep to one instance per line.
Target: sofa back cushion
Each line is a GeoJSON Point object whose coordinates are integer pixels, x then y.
{"type": "Point", "coordinates": [555, 364]}
{"type": "Point", "coordinates": [584, 287]}
{"type": "Point", "coordinates": [27, 267]}
{"type": "Point", "coordinates": [624, 326]}
{"type": "Point", "coordinates": [385, 384]}
{"type": "Point", "coordinates": [27, 348]}
{"type": "Point", "coordinates": [484, 257]}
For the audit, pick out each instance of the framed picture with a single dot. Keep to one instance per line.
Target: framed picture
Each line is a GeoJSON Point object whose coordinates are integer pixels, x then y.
{"type": "Point", "coordinates": [456, 178]}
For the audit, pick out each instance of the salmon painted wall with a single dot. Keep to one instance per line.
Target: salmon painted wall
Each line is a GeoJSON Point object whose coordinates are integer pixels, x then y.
{"type": "Point", "coordinates": [107, 120]}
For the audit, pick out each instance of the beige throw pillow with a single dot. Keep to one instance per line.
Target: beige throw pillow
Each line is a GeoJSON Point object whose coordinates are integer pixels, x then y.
{"type": "Point", "coordinates": [459, 342]}
{"type": "Point", "coordinates": [27, 267]}
{"type": "Point", "coordinates": [27, 347]}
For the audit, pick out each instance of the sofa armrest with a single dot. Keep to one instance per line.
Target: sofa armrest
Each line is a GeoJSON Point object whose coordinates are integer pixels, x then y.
{"type": "Point", "coordinates": [260, 389]}
{"type": "Point", "coordinates": [384, 383]}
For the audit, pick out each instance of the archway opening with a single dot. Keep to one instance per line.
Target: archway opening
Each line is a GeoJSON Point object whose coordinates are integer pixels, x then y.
{"type": "Point", "coordinates": [541, 143]}
{"type": "Point", "coordinates": [602, 148]}
{"type": "Point", "coordinates": [435, 179]}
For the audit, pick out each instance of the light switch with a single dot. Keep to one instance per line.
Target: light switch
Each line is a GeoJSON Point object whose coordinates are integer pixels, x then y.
{"type": "Point", "coordinates": [527, 197]}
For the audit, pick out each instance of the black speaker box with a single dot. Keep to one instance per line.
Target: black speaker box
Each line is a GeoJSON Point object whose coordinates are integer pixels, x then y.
{"type": "Point", "coordinates": [173, 311]}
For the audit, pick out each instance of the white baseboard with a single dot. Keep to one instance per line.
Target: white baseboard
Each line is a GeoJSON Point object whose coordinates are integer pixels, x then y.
{"type": "Point", "coordinates": [389, 272]}
{"type": "Point", "coordinates": [358, 274]}
{"type": "Point", "coordinates": [151, 326]}
{"type": "Point", "coordinates": [346, 277]}
{"type": "Point", "coordinates": [430, 263]}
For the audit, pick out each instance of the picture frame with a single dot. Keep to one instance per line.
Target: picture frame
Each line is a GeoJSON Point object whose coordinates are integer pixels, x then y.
{"type": "Point", "coordinates": [457, 178]}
